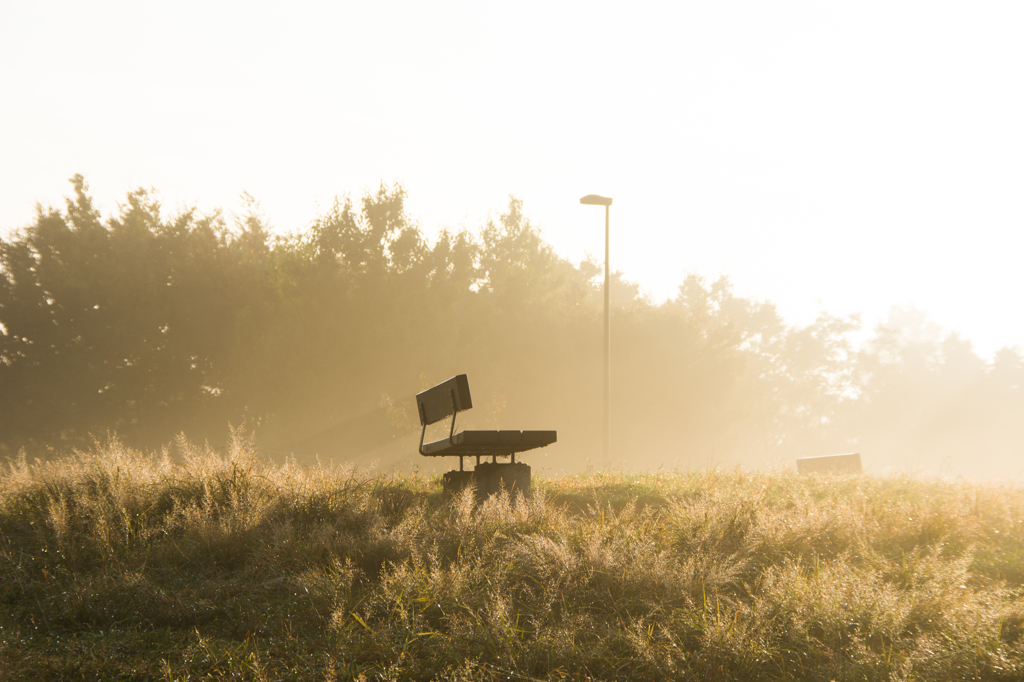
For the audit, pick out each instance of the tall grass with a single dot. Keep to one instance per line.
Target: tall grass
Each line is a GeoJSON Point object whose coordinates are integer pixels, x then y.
{"type": "Point", "coordinates": [120, 565]}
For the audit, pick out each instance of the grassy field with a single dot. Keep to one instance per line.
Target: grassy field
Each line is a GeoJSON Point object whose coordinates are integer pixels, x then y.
{"type": "Point", "coordinates": [117, 565]}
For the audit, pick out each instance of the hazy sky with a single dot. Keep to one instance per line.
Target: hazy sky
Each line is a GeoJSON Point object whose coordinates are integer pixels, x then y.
{"type": "Point", "coordinates": [829, 156]}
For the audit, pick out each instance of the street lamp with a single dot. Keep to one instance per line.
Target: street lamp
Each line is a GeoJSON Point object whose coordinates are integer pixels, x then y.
{"type": "Point", "coordinates": [597, 200]}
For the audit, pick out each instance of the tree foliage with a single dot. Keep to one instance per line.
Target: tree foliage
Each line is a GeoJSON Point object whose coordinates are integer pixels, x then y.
{"type": "Point", "coordinates": [147, 325]}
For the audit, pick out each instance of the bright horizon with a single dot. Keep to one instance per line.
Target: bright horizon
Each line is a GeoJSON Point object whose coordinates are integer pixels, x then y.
{"type": "Point", "coordinates": [836, 158]}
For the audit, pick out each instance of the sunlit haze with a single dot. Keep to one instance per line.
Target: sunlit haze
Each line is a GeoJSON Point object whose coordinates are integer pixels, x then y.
{"type": "Point", "coordinates": [838, 157]}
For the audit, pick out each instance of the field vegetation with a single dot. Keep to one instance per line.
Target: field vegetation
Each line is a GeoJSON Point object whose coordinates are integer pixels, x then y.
{"type": "Point", "coordinates": [199, 564]}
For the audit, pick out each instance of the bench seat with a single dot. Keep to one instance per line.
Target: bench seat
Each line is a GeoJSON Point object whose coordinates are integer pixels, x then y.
{"type": "Point", "coordinates": [487, 443]}
{"type": "Point", "coordinates": [449, 398]}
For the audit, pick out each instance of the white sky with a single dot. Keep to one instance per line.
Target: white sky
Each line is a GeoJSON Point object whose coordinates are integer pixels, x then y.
{"type": "Point", "coordinates": [831, 156]}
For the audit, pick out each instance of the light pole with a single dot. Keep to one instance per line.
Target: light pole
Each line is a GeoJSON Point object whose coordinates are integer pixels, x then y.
{"type": "Point", "coordinates": [597, 200]}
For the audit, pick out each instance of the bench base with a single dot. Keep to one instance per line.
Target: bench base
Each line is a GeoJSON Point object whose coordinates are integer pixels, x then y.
{"type": "Point", "coordinates": [490, 478]}
{"type": "Point", "coordinates": [455, 481]}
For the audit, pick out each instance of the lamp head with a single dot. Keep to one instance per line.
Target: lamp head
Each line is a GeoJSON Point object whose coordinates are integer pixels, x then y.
{"type": "Point", "coordinates": [596, 200]}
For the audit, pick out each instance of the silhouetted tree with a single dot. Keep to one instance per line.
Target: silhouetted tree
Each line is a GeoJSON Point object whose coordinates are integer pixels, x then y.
{"type": "Point", "coordinates": [149, 325]}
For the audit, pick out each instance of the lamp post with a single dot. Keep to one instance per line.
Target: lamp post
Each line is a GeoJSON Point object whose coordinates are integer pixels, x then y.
{"type": "Point", "coordinates": [597, 200]}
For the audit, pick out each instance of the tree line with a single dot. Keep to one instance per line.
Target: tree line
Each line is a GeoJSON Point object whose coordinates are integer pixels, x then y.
{"type": "Point", "coordinates": [147, 325]}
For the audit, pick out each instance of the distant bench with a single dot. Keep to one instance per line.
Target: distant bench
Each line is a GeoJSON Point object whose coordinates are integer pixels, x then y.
{"type": "Point", "coordinates": [449, 398]}
{"type": "Point", "coordinates": [848, 463]}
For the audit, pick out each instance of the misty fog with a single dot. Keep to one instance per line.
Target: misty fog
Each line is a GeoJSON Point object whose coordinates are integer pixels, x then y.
{"type": "Point", "coordinates": [147, 325]}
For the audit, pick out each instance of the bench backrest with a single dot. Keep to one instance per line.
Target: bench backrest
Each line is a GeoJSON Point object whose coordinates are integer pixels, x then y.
{"type": "Point", "coordinates": [443, 400]}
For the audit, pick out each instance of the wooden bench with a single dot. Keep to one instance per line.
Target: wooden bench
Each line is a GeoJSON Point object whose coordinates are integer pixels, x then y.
{"type": "Point", "coordinates": [449, 398]}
